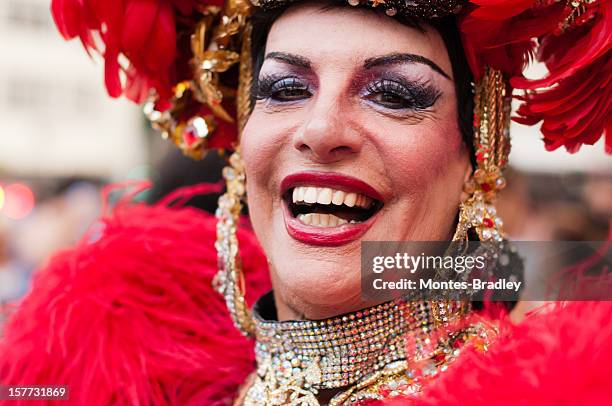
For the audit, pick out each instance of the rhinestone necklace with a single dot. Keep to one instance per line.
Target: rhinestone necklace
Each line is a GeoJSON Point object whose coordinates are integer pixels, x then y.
{"type": "Point", "coordinates": [363, 352]}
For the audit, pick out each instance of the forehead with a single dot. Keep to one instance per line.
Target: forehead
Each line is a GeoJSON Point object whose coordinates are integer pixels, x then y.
{"type": "Point", "coordinates": [348, 34]}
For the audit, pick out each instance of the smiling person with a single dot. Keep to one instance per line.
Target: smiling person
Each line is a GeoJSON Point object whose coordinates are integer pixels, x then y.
{"type": "Point", "coordinates": [354, 121]}
{"type": "Point", "coordinates": [344, 144]}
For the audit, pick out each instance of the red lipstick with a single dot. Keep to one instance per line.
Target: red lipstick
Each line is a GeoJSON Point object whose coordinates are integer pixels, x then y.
{"type": "Point", "coordinates": [323, 236]}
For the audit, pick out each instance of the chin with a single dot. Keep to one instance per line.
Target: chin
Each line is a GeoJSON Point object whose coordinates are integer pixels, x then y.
{"type": "Point", "coordinates": [325, 284]}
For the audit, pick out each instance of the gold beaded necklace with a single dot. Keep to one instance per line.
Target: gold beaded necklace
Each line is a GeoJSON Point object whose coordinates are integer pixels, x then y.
{"type": "Point", "coordinates": [380, 352]}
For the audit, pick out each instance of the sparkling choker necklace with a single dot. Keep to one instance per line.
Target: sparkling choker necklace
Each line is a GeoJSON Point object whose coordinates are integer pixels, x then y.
{"type": "Point", "coordinates": [357, 352]}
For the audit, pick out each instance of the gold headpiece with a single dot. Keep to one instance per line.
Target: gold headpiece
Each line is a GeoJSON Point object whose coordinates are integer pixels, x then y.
{"type": "Point", "coordinates": [220, 40]}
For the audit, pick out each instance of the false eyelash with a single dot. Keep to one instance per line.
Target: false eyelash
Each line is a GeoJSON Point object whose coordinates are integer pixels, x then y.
{"type": "Point", "coordinates": [420, 95]}
{"type": "Point", "coordinates": [264, 87]}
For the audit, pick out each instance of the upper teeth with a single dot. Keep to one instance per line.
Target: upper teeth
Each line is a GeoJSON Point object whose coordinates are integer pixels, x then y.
{"type": "Point", "coordinates": [325, 195]}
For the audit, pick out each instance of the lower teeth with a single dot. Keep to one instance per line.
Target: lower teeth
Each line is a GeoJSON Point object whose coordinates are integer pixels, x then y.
{"type": "Point", "coordinates": [323, 220]}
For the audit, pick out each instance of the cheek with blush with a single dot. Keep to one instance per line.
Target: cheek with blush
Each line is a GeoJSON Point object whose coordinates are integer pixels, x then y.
{"type": "Point", "coordinates": [256, 157]}
{"type": "Point", "coordinates": [427, 168]}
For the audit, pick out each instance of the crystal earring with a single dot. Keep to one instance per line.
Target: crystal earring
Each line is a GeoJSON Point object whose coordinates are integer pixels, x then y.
{"type": "Point", "coordinates": [229, 280]}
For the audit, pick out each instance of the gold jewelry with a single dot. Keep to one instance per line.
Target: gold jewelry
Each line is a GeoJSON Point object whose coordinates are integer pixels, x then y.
{"type": "Point", "coordinates": [577, 14]}
{"type": "Point", "coordinates": [375, 353]}
{"type": "Point", "coordinates": [215, 51]}
{"type": "Point", "coordinates": [492, 146]}
{"type": "Point", "coordinates": [229, 280]}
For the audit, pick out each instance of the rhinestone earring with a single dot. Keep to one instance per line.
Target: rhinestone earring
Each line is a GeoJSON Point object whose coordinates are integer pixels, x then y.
{"type": "Point", "coordinates": [229, 280]}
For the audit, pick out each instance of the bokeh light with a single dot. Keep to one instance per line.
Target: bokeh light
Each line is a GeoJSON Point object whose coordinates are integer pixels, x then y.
{"type": "Point", "coordinates": [18, 201]}
{"type": "Point", "coordinates": [1, 197]}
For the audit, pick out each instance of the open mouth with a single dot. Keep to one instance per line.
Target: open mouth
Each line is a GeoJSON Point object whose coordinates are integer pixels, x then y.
{"type": "Point", "coordinates": [329, 207]}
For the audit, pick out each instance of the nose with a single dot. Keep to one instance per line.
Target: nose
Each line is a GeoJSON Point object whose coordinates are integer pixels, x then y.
{"type": "Point", "coordinates": [326, 136]}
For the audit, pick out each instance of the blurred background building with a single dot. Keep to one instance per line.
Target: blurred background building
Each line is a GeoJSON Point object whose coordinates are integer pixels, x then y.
{"type": "Point", "coordinates": [62, 139]}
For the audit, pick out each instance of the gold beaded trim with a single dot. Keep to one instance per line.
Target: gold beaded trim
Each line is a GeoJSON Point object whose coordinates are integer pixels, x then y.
{"type": "Point", "coordinates": [426, 9]}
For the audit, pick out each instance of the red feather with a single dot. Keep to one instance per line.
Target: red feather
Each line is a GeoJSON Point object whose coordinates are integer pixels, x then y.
{"type": "Point", "coordinates": [149, 37]}
{"type": "Point", "coordinates": [111, 73]}
{"type": "Point", "coordinates": [559, 356]}
{"type": "Point", "coordinates": [67, 17]}
{"type": "Point", "coordinates": [573, 100]}
{"type": "Point", "coordinates": [144, 31]}
{"type": "Point", "coordinates": [129, 316]}
{"type": "Point", "coordinates": [136, 86]}
{"type": "Point", "coordinates": [500, 9]}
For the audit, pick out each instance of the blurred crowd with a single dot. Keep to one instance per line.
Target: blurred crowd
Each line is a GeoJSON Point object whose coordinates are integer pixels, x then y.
{"type": "Point", "coordinates": [551, 207]}
{"type": "Point", "coordinates": [38, 218]}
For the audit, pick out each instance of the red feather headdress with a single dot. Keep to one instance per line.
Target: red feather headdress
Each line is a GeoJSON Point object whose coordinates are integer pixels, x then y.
{"type": "Point", "coordinates": [147, 42]}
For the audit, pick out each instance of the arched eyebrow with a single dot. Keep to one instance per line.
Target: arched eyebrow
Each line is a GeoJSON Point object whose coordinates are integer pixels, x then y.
{"type": "Point", "coordinates": [291, 59]}
{"type": "Point", "coordinates": [393, 59]}
{"type": "Point", "coordinates": [369, 63]}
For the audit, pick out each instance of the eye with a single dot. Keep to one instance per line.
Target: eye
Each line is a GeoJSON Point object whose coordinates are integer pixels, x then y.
{"type": "Point", "coordinates": [389, 94]}
{"type": "Point", "coordinates": [290, 89]}
{"type": "Point", "coordinates": [284, 89]}
{"type": "Point", "coordinates": [392, 100]}
{"type": "Point", "coordinates": [394, 95]}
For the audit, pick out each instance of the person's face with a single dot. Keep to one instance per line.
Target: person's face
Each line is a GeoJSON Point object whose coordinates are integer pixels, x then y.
{"type": "Point", "coordinates": [357, 113]}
